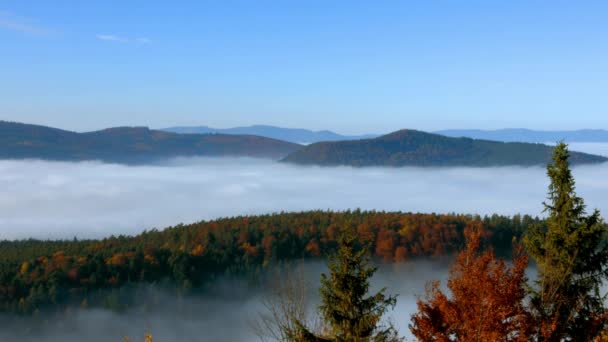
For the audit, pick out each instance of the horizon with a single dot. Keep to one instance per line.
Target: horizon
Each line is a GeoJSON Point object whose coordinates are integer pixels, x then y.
{"type": "Point", "coordinates": [438, 131]}
{"type": "Point", "coordinates": [344, 67]}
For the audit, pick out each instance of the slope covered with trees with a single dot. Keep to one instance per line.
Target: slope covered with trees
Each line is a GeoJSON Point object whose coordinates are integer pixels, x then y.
{"type": "Point", "coordinates": [37, 274]}
{"type": "Point", "coordinates": [415, 148]}
{"type": "Point", "coordinates": [129, 144]}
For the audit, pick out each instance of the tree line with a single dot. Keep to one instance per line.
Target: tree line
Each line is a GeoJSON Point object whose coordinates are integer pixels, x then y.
{"type": "Point", "coordinates": [37, 274]}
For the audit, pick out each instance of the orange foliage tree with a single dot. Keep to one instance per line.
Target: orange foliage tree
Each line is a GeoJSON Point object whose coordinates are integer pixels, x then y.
{"type": "Point", "coordinates": [486, 303]}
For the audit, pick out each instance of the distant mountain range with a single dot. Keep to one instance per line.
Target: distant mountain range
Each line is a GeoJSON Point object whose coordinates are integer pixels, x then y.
{"type": "Point", "coordinates": [294, 135]}
{"type": "Point", "coordinates": [132, 145]}
{"type": "Point", "coordinates": [415, 148]}
{"type": "Point", "coordinates": [527, 135]}
{"type": "Point", "coordinates": [129, 144]}
{"type": "Point", "coordinates": [305, 136]}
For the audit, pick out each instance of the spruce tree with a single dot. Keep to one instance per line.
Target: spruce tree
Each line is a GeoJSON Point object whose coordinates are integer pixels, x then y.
{"type": "Point", "coordinates": [348, 313]}
{"type": "Point", "coordinates": [571, 255]}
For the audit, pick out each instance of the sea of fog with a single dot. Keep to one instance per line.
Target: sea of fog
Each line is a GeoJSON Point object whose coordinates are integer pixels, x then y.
{"type": "Point", "coordinates": [43, 199]}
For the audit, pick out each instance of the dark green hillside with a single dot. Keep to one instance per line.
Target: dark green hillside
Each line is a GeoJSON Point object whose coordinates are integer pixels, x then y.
{"type": "Point", "coordinates": [129, 144]}
{"type": "Point", "coordinates": [415, 148]}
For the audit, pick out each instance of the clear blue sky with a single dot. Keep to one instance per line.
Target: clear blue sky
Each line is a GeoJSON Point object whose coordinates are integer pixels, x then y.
{"type": "Point", "coordinates": [350, 66]}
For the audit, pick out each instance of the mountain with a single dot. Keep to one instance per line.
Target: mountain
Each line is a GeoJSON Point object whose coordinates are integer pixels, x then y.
{"type": "Point", "coordinates": [294, 135]}
{"type": "Point", "coordinates": [527, 135]}
{"type": "Point", "coordinates": [129, 144]}
{"type": "Point", "coordinates": [415, 148]}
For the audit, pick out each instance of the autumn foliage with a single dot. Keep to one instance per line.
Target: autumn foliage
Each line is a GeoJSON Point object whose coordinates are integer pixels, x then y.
{"type": "Point", "coordinates": [37, 274]}
{"type": "Point", "coordinates": [486, 302]}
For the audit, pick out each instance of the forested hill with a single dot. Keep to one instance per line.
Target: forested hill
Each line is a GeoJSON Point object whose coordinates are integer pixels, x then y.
{"type": "Point", "coordinates": [416, 148]}
{"type": "Point", "coordinates": [37, 274]}
{"type": "Point", "coordinates": [129, 144]}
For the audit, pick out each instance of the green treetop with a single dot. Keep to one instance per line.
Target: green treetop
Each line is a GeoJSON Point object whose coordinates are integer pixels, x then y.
{"type": "Point", "coordinates": [348, 313]}
{"type": "Point", "coordinates": [571, 255]}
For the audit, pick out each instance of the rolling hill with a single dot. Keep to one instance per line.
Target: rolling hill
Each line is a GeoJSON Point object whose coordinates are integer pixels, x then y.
{"type": "Point", "coordinates": [129, 144]}
{"type": "Point", "coordinates": [415, 148]}
{"type": "Point", "coordinates": [294, 135]}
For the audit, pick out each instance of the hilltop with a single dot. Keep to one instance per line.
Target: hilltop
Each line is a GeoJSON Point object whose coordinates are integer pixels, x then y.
{"type": "Point", "coordinates": [416, 148]}
{"type": "Point", "coordinates": [129, 144]}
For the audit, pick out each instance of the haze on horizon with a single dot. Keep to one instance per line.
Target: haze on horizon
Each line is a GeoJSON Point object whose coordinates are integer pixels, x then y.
{"type": "Point", "coordinates": [348, 67]}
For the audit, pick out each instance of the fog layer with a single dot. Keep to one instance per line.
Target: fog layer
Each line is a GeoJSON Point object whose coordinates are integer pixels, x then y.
{"type": "Point", "coordinates": [62, 200]}
{"type": "Point", "coordinates": [593, 148]}
{"type": "Point", "coordinates": [227, 312]}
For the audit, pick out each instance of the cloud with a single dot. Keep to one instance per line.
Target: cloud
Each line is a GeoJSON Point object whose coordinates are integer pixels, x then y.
{"type": "Point", "coordinates": [15, 23]}
{"type": "Point", "coordinates": [143, 40]}
{"type": "Point", "coordinates": [121, 39]}
{"type": "Point", "coordinates": [111, 38]}
{"type": "Point", "coordinates": [57, 199]}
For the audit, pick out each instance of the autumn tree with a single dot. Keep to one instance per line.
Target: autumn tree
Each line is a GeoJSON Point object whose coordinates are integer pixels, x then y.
{"type": "Point", "coordinates": [486, 303]}
{"type": "Point", "coordinates": [348, 313]}
{"type": "Point", "coordinates": [571, 254]}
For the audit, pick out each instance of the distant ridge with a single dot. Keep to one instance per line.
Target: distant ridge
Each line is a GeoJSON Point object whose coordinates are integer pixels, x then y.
{"type": "Point", "coordinates": [129, 144]}
{"type": "Point", "coordinates": [305, 136]}
{"type": "Point", "coordinates": [416, 148]}
{"type": "Point", "coordinates": [527, 135]}
{"type": "Point", "coordinates": [134, 145]}
{"type": "Point", "coordinates": [294, 135]}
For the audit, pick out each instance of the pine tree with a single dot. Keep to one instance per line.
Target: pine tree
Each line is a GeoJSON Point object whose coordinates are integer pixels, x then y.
{"type": "Point", "coordinates": [348, 313]}
{"type": "Point", "coordinates": [571, 255]}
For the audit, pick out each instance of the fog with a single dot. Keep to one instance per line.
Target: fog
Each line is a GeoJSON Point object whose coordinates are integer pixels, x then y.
{"type": "Point", "coordinates": [593, 148]}
{"type": "Point", "coordinates": [227, 312]}
{"type": "Point", "coordinates": [89, 199]}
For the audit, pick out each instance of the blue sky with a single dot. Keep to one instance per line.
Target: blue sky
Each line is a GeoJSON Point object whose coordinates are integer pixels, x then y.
{"type": "Point", "coordinates": [350, 66]}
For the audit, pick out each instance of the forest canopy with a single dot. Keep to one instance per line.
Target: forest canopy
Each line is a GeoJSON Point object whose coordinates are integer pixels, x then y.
{"type": "Point", "coordinates": [37, 274]}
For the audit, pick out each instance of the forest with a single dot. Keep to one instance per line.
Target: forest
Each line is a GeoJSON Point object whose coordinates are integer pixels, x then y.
{"type": "Point", "coordinates": [37, 274]}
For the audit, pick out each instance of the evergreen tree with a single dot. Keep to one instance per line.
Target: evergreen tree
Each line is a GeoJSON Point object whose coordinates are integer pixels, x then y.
{"type": "Point", "coordinates": [571, 254]}
{"type": "Point", "coordinates": [348, 313]}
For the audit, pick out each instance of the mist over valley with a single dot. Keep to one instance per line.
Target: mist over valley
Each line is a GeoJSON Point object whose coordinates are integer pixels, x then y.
{"type": "Point", "coordinates": [92, 200]}
{"type": "Point", "coordinates": [227, 310]}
